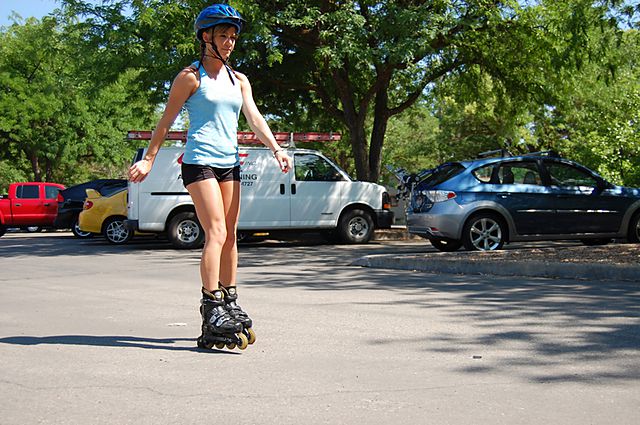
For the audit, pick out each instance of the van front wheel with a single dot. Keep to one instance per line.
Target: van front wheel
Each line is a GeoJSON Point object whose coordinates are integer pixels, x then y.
{"type": "Point", "coordinates": [185, 232]}
{"type": "Point", "coordinates": [355, 226]}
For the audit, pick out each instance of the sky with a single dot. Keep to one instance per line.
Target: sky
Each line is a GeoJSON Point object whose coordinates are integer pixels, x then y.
{"type": "Point", "coordinates": [26, 9]}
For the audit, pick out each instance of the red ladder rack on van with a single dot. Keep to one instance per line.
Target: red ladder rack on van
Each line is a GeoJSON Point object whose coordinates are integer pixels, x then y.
{"type": "Point", "coordinates": [247, 137]}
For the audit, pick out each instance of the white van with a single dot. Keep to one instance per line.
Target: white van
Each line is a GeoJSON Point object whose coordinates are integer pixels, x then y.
{"type": "Point", "coordinates": [315, 196]}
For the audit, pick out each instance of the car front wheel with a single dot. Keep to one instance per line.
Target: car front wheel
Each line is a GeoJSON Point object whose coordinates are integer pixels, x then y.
{"type": "Point", "coordinates": [116, 232]}
{"type": "Point", "coordinates": [484, 232]}
{"type": "Point", "coordinates": [185, 232]}
{"type": "Point", "coordinates": [446, 245]}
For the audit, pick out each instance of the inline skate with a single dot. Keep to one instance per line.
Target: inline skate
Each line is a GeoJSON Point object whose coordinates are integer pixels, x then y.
{"type": "Point", "coordinates": [219, 328]}
{"type": "Point", "coordinates": [230, 297]}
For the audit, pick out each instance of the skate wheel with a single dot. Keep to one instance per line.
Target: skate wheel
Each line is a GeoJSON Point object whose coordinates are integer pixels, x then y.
{"type": "Point", "coordinates": [251, 335]}
{"type": "Point", "coordinates": [220, 345]}
{"type": "Point", "coordinates": [202, 344]}
{"type": "Point", "coordinates": [244, 341]}
{"type": "Point", "coordinates": [231, 346]}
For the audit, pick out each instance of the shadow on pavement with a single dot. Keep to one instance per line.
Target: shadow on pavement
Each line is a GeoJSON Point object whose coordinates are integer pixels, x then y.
{"type": "Point", "coordinates": [110, 341]}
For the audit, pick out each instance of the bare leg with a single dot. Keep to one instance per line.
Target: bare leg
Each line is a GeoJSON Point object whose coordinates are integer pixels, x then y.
{"type": "Point", "coordinates": [230, 191]}
{"type": "Point", "coordinates": [208, 200]}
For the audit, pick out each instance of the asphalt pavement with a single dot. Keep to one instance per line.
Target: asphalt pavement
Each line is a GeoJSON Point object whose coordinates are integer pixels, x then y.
{"type": "Point", "coordinates": [102, 334]}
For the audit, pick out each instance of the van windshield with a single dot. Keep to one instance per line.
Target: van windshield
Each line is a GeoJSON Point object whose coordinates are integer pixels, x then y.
{"type": "Point", "coordinates": [312, 167]}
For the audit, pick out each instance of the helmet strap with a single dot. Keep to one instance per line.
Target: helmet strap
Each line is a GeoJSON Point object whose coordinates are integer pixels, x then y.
{"type": "Point", "coordinates": [219, 57]}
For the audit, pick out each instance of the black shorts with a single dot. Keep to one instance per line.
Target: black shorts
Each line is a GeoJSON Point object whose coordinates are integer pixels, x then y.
{"type": "Point", "coordinates": [192, 173]}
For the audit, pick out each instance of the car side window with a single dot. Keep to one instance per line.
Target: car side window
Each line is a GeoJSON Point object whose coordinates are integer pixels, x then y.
{"type": "Point", "coordinates": [483, 174]}
{"type": "Point", "coordinates": [566, 176]}
{"type": "Point", "coordinates": [525, 172]}
{"type": "Point", "coordinates": [27, 192]}
{"type": "Point", "coordinates": [51, 192]}
{"type": "Point", "coordinates": [310, 167]}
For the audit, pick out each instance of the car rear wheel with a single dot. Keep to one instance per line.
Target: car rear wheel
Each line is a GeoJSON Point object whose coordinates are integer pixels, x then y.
{"type": "Point", "coordinates": [115, 231]}
{"type": "Point", "coordinates": [75, 229]}
{"type": "Point", "coordinates": [634, 228]}
{"type": "Point", "coordinates": [484, 232]}
{"type": "Point", "coordinates": [446, 245]}
{"type": "Point", "coordinates": [355, 226]}
{"type": "Point", "coordinates": [185, 232]}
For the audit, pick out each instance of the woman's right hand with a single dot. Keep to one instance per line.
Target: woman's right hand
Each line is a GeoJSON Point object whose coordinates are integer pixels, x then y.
{"type": "Point", "coordinates": [139, 171]}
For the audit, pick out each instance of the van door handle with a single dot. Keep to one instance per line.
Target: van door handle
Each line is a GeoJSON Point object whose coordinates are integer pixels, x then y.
{"type": "Point", "coordinates": [293, 189]}
{"type": "Point", "coordinates": [282, 189]}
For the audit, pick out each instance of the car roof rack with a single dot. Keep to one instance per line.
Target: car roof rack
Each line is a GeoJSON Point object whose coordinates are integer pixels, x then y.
{"type": "Point", "coordinates": [550, 153]}
{"type": "Point", "coordinates": [496, 152]}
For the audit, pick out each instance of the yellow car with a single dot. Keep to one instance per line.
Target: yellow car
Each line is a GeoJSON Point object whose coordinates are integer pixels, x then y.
{"type": "Point", "coordinates": [105, 215]}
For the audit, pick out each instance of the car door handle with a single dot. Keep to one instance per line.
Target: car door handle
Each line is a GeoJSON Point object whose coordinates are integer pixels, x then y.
{"type": "Point", "coordinates": [282, 189]}
{"type": "Point", "coordinates": [17, 205]}
{"type": "Point", "coordinates": [504, 195]}
{"type": "Point", "coordinates": [46, 204]}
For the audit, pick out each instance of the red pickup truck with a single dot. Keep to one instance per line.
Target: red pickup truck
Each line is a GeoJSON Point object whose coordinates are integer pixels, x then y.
{"type": "Point", "coordinates": [29, 204]}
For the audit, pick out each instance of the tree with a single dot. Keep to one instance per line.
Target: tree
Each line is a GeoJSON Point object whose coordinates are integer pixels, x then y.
{"type": "Point", "coordinates": [357, 64]}
{"type": "Point", "coordinates": [375, 59]}
{"type": "Point", "coordinates": [55, 123]}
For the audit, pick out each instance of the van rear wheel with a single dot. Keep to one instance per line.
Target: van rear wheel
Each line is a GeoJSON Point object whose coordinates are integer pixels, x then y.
{"type": "Point", "coordinates": [355, 226]}
{"type": "Point", "coordinates": [185, 232]}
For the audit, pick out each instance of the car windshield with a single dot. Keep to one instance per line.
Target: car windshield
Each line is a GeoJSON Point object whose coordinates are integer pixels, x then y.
{"type": "Point", "coordinates": [442, 174]}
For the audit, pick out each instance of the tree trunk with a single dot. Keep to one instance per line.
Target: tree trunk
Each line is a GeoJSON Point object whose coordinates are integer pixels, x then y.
{"type": "Point", "coordinates": [380, 120]}
{"type": "Point", "coordinates": [358, 140]}
{"type": "Point", "coordinates": [35, 167]}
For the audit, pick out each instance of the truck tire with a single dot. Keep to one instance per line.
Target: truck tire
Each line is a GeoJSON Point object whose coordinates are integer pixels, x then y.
{"type": "Point", "coordinates": [185, 232]}
{"type": "Point", "coordinates": [355, 226]}
{"type": "Point", "coordinates": [32, 229]}
{"type": "Point", "coordinates": [115, 231]}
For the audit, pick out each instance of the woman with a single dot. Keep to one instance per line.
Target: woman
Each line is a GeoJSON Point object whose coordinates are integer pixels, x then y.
{"type": "Point", "coordinates": [214, 95]}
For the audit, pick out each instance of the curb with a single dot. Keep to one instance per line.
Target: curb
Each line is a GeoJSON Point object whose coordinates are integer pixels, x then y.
{"type": "Point", "coordinates": [433, 264]}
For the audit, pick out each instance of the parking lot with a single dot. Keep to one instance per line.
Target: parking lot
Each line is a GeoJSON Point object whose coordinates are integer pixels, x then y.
{"type": "Point", "coordinates": [95, 333]}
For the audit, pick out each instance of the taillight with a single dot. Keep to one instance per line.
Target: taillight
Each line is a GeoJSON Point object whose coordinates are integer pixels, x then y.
{"type": "Point", "coordinates": [87, 205]}
{"type": "Point", "coordinates": [386, 201]}
{"type": "Point", "coordinates": [439, 195]}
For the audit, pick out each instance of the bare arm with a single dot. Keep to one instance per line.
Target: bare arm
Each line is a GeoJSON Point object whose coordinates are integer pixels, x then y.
{"type": "Point", "coordinates": [184, 85]}
{"type": "Point", "coordinates": [259, 125]}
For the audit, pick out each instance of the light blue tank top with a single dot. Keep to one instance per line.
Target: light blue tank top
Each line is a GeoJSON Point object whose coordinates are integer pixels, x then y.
{"type": "Point", "coordinates": [213, 111]}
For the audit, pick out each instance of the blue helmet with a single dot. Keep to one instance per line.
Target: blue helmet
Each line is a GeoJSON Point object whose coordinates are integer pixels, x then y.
{"type": "Point", "coordinates": [217, 14]}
